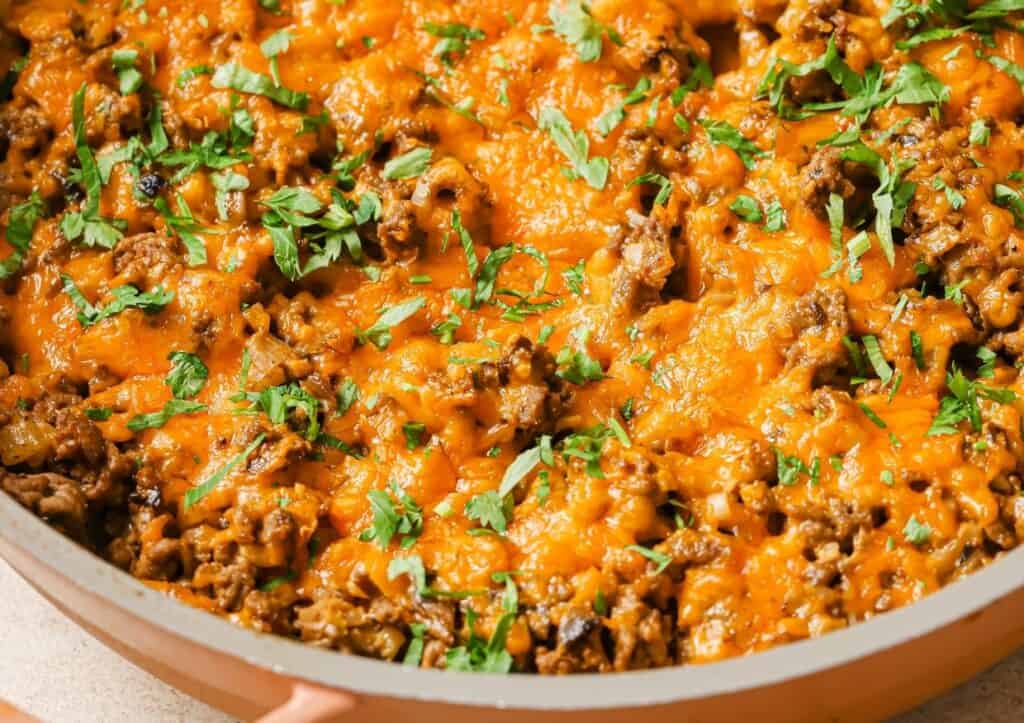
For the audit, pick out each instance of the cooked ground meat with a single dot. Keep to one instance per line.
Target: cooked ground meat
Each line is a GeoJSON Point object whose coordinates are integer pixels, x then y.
{"type": "Point", "coordinates": [539, 351]}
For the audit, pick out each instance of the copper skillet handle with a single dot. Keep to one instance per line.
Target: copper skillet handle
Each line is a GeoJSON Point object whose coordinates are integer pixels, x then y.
{"type": "Point", "coordinates": [310, 704]}
{"type": "Point", "coordinates": [10, 714]}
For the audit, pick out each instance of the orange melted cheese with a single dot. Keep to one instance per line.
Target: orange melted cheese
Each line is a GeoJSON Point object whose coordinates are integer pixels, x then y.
{"type": "Point", "coordinates": [721, 385]}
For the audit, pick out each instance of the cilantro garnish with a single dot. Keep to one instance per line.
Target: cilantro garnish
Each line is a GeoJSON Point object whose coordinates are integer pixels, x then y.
{"type": "Point", "coordinates": [276, 44]}
{"type": "Point", "coordinates": [195, 71]}
{"type": "Point", "coordinates": [610, 120]}
{"type": "Point", "coordinates": [414, 651]}
{"type": "Point", "coordinates": [587, 445]}
{"type": "Point", "coordinates": [578, 367]}
{"type": "Point", "coordinates": [892, 197]}
{"type": "Point", "coordinates": [348, 394]}
{"type": "Point", "coordinates": [212, 152]}
{"type": "Point", "coordinates": [445, 330]}
{"type": "Point", "coordinates": [225, 183]}
{"type": "Point", "coordinates": [277, 402]}
{"type": "Point", "coordinates": [1010, 199]}
{"type": "Point", "coordinates": [524, 464]}
{"type": "Point", "coordinates": [99, 414]}
{"type": "Point", "coordinates": [747, 208]}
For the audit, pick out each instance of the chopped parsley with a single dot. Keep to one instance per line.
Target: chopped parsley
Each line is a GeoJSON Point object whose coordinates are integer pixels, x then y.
{"type": "Point", "coordinates": [658, 558]}
{"type": "Point", "coordinates": [195, 494]}
{"type": "Point", "coordinates": [409, 165]}
{"type": "Point", "coordinates": [490, 509]}
{"type": "Point", "coordinates": [388, 520]}
{"type": "Point", "coordinates": [240, 78]}
{"type": "Point", "coordinates": [125, 297]}
{"type": "Point", "coordinates": [747, 208]}
{"type": "Point", "coordinates": [187, 376]}
{"type": "Point", "coordinates": [576, 147]}
{"type": "Point", "coordinates": [721, 133]}
{"type": "Point", "coordinates": [128, 76]}
{"type": "Point", "coordinates": [572, 22]}
{"type": "Point", "coordinates": [454, 39]}
{"type": "Point", "coordinates": [917, 533]}
{"type": "Point", "coordinates": [156, 420]}
{"type": "Point", "coordinates": [87, 225]}
{"type": "Point", "coordinates": [962, 403]}
{"type": "Point", "coordinates": [21, 221]}
{"type": "Point", "coordinates": [379, 334]}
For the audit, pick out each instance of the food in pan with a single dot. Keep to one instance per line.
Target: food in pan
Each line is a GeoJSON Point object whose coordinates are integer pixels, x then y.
{"type": "Point", "coordinates": [525, 335]}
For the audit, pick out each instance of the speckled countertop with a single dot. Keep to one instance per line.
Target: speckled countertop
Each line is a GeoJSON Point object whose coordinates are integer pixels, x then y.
{"type": "Point", "coordinates": [50, 668]}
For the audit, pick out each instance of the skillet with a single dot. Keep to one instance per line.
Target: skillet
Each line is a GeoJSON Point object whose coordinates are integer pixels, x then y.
{"type": "Point", "coordinates": [871, 671]}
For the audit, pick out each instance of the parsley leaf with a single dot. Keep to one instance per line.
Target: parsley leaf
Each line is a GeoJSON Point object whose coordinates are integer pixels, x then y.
{"type": "Point", "coordinates": [124, 297]}
{"type": "Point", "coordinates": [158, 419]}
{"type": "Point", "coordinates": [576, 147]}
{"type": "Point", "coordinates": [573, 22]}
{"type": "Point", "coordinates": [388, 521]}
{"type": "Point", "coordinates": [195, 494]}
{"type": "Point", "coordinates": [454, 39]}
{"type": "Point", "coordinates": [194, 72]}
{"type": "Point", "coordinates": [747, 208]}
{"type": "Point", "coordinates": [478, 656]}
{"type": "Point", "coordinates": [380, 333]}
{"type": "Point", "coordinates": [721, 133]}
{"type": "Point", "coordinates": [522, 466]}
{"type": "Point", "coordinates": [277, 402]}
{"type": "Point", "coordinates": [225, 183]}
{"type": "Point", "coordinates": [187, 376]}
{"type": "Point", "coordinates": [962, 403]}
{"type": "Point", "coordinates": [664, 186]}
{"type": "Point", "coordinates": [87, 224]}
{"type": "Point", "coordinates": [128, 76]}
{"type": "Point", "coordinates": [1009, 198]}
{"type": "Point", "coordinates": [21, 221]}
{"type": "Point", "coordinates": [348, 394]}
{"type": "Point", "coordinates": [610, 120]}
{"type": "Point", "coordinates": [917, 533]}
{"type": "Point", "coordinates": [185, 226]}
{"type": "Point", "coordinates": [408, 165]}
{"type": "Point", "coordinates": [237, 77]}
{"type": "Point", "coordinates": [658, 558]}
{"type": "Point", "coordinates": [212, 152]}
{"type": "Point", "coordinates": [491, 510]}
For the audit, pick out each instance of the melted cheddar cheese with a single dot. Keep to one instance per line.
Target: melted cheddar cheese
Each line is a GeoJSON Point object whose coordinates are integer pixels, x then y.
{"type": "Point", "coordinates": [523, 335]}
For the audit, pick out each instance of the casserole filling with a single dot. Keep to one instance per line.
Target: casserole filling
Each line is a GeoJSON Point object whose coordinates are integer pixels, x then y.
{"type": "Point", "coordinates": [528, 335]}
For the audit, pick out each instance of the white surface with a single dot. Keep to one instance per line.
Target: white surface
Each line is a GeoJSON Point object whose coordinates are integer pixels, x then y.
{"type": "Point", "coordinates": [50, 668]}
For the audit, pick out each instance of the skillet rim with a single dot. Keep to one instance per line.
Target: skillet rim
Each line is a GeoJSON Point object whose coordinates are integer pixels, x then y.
{"type": "Point", "coordinates": [579, 692]}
